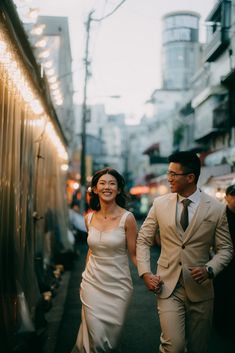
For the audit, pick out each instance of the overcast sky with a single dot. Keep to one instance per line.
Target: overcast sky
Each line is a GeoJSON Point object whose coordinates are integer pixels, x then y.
{"type": "Point", "coordinates": [125, 48]}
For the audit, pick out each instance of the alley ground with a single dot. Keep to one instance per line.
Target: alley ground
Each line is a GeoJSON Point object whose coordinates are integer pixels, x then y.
{"type": "Point", "coordinates": [141, 331]}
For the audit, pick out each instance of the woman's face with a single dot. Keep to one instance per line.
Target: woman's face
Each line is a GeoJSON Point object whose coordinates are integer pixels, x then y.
{"type": "Point", "coordinates": [106, 188]}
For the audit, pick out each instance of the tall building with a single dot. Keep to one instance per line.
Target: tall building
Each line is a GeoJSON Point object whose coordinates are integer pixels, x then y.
{"type": "Point", "coordinates": [180, 49]}
{"type": "Point", "coordinates": [58, 69]}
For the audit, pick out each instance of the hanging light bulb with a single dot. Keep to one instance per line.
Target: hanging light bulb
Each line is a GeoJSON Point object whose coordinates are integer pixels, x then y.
{"type": "Point", "coordinates": [38, 29]}
{"type": "Point", "coordinates": [44, 54]}
{"type": "Point", "coordinates": [41, 43]}
{"type": "Point", "coordinates": [33, 13]}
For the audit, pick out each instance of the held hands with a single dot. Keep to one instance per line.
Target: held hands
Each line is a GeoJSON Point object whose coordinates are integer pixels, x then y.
{"type": "Point", "coordinates": [199, 274]}
{"type": "Point", "coordinates": [153, 282]}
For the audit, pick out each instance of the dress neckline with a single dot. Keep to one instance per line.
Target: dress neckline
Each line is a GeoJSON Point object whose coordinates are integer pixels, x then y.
{"type": "Point", "coordinates": [111, 229]}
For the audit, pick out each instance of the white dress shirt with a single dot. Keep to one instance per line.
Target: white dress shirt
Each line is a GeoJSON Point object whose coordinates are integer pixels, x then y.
{"type": "Point", "coordinates": [192, 208]}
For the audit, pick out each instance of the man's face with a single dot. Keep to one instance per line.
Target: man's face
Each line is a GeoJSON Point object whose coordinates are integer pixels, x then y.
{"type": "Point", "coordinates": [179, 180]}
{"type": "Point", "coordinates": [230, 199]}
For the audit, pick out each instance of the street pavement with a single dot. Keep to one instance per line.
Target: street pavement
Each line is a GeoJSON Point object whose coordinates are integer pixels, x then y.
{"type": "Point", "coordinates": [141, 330]}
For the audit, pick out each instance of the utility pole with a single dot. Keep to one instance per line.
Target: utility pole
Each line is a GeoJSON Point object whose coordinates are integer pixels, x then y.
{"type": "Point", "coordinates": [84, 117]}
{"type": "Point", "coordinates": [84, 105]}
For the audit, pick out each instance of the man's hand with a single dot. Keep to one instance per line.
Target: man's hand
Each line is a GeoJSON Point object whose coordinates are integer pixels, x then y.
{"type": "Point", "coordinates": [153, 282]}
{"type": "Point", "coordinates": [199, 274]}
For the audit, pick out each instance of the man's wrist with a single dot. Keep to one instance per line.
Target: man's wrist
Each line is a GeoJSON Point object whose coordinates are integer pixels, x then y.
{"type": "Point", "coordinates": [210, 272]}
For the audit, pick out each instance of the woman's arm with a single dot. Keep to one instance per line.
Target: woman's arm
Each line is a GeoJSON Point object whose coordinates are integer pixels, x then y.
{"type": "Point", "coordinates": [131, 236]}
{"type": "Point", "coordinates": [87, 227]}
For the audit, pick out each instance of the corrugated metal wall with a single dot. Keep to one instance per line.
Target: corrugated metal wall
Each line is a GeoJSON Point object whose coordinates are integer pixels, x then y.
{"type": "Point", "coordinates": [33, 208]}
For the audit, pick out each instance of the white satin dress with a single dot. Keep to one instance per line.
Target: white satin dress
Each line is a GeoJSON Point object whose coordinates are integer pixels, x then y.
{"type": "Point", "coordinates": [106, 290]}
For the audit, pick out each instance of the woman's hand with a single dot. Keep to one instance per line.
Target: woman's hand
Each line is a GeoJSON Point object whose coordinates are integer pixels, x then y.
{"type": "Point", "coordinates": [153, 282]}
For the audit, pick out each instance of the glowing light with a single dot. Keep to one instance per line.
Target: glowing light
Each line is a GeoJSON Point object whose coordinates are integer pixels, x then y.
{"type": "Point", "coordinates": [44, 54]}
{"type": "Point", "coordinates": [50, 72]}
{"type": "Point", "coordinates": [2, 47]}
{"type": "Point", "coordinates": [33, 13]}
{"type": "Point", "coordinates": [38, 30]}
{"type": "Point", "coordinates": [220, 194]}
{"type": "Point", "coordinates": [64, 167]}
{"type": "Point", "coordinates": [56, 141]}
{"type": "Point", "coordinates": [139, 189]}
{"type": "Point", "coordinates": [41, 43]}
{"type": "Point", "coordinates": [47, 64]}
{"type": "Point", "coordinates": [76, 186]}
{"type": "Point", "coordinates": [52, 79]}
{"type": "Point", "coordinates": [54, 86]}
{"type": "Point", "coordinates": [5, 58]}
{"type": "Point", "coordinates": [56, 92]}
{"type": "Point", "coordinates": [36, 106]}
{"type": "Point", "coordinates": [22, 87]}
{"type": "Point", "coordinates": [59, 102]}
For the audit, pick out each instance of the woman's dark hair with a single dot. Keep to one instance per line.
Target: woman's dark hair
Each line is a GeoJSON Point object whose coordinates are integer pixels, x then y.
{"type": "Point", "coordinates": [121, 198]}
{"type": "Point", "coordinates": [189, 160]}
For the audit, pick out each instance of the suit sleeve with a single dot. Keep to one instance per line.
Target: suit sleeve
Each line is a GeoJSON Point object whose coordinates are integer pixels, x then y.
{"type": "Point", "coordinates": [145, 239]}
{"type": "Point", "coordinates": [223, 246]}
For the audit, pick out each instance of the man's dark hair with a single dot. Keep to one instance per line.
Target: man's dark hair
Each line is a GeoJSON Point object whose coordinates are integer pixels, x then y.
{"type": "Point", "coordinates": [189, 160]}
{"type": "Point", "coordinates": [230, 190]}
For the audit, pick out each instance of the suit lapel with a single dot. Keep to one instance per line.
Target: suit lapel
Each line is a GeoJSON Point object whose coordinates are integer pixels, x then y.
{"type": "Point", "coordinates": [171, 210]}
{"type": "Point", "coordinates": [198, 217]}
{"type": "Point", "coordinates": [171, 216]}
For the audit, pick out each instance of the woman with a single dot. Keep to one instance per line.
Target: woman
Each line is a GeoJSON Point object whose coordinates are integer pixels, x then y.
{"type": "Point", "coordinates": [106, 286]}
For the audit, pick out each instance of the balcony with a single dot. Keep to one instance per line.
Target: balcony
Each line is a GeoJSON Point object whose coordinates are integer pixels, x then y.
{"type": "Point", "coordinates": [221, 116]}
{"type": "Point", "coordinates": [220, 22]}
{"type": "Point", "coordinates": [216, 46]}
{"type": "Point", "coordinates": [153, 151]}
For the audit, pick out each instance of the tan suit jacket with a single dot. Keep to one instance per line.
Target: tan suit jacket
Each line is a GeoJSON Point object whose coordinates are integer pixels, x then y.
{"type": "Point", "coordinates": [180, 250]}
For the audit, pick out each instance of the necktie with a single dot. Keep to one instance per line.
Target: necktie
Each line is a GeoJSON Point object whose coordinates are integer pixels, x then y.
{"type": "Point", "coordinates": [184, 214]}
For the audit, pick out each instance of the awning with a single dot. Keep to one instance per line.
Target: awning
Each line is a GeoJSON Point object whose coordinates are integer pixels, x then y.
{"type": "Point", "coordinates": [220, 182]}
{"type": "Point", "coordinates": [229, 79]}
{"type": "Point", "coordinates": [152, 148]}
{"type": "Point", "coordinates": [226, 155]}
{"type": "Point", "coordinates": [224, 178]}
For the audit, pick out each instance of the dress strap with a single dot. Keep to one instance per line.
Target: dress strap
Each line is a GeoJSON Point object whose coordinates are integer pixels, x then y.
{"type": "Point", "coordinates": [123, 218]}
{"type": "Point", "coordinates": [89, 217]}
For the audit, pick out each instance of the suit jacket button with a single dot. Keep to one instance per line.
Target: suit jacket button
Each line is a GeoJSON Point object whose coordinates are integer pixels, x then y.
{"type": "Point", "coordinates": [180, 263]}
{"type": "Point", "coordinates": [183, 246]}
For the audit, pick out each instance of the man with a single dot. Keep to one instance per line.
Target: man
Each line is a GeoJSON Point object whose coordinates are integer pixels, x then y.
{"type": "Point", "coordinates": [188, 231]}
{"type": "Point", "coordinates": [224, 304]}
{"type": "Point", "coordinates": [77, 223]}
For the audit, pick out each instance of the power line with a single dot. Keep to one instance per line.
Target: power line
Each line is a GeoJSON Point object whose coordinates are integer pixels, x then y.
{"type": "Point", "coordinates": [109, 14]}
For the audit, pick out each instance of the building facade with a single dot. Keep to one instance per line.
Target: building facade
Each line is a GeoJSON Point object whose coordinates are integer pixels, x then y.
{"type": "Point", "coordinates": [212, 99]}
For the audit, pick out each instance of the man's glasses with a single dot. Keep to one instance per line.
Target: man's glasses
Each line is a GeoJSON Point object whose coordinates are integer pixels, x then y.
{"type": "Point", "coordinates": [173, 174]}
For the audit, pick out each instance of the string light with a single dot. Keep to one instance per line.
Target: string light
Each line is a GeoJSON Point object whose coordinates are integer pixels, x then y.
{"type": "Point", "coordinates": [19, 80]}
{"type": "Point", "coordinates": [38, 29]}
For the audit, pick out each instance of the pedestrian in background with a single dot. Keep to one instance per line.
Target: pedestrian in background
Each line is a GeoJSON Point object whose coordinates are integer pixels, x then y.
{"type": "Point", "coordinates": [106, 286]}
{"type": "Point", "coordinates": [190, 222]}
{"type": "Point", "coordinates": [77, 220]}
{"type": "Point", "coordinates": [224, 283]}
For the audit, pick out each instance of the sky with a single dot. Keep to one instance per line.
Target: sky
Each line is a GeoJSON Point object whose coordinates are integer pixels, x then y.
{"type": "Point", "coordinates": [125, 48]}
